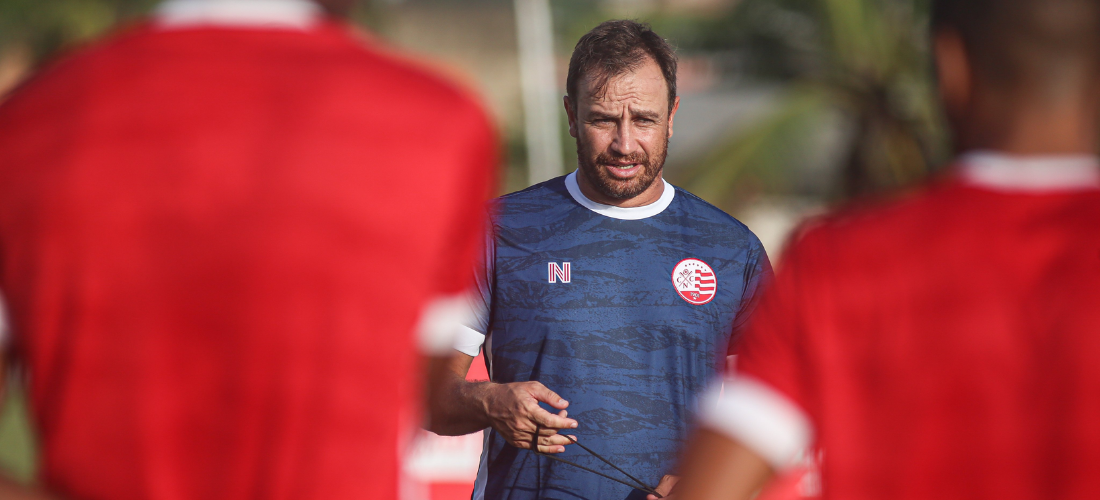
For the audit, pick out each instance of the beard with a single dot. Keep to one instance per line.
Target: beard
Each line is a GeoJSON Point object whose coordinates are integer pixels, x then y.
{"type": "Point", "coordinates": [594, 167]}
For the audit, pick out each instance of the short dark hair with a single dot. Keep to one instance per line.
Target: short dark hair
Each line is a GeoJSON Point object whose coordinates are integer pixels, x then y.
{"type": "Point", "coordinates": [615, 47]}
{"type": "Point", "coordinates": [1025, 41]}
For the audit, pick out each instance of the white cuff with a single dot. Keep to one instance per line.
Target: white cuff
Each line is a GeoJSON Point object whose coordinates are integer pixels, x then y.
{"type": "Point", "coordinates": [469, 341]}
{"type": "Point", "coordinates": [441, 322]}
{"type": "Point", "coordinates": [759, 417]}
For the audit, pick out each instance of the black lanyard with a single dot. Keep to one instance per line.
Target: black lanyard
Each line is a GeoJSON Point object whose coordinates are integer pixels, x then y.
{"type": "Point", "coordinates": [637, 484]}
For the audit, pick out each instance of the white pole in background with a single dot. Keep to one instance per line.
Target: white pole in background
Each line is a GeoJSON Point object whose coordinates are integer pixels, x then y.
{"type": "Point", "coordinates": [541, 98]}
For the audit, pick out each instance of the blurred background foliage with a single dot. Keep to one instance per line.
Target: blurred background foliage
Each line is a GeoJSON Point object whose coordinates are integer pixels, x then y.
{"type": "Point", "coordinates": [864, 60]}
{"type": "Point", "coordinates": [787, 106]}
{"type": "Point", "coordinates": [45, 27]}
{"type": "Point", "coordinates": [857, 69]}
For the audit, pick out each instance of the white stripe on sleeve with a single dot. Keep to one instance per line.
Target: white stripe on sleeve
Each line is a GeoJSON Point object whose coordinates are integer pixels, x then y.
{"type": "Point", "coordinates": [441, 323]}
{"type": "Point", "coordinates": [469, 341]}
{"type": "Point", "coordinates": [759, 417]}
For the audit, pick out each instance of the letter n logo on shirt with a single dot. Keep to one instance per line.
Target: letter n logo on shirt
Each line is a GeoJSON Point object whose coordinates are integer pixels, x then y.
{"type": "Point", "coordinates": [560, 273]}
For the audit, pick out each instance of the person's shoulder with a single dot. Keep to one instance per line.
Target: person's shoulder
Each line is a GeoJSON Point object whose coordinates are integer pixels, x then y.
{"type": "Point", "coordinates": [703, 212]}
{"type": "Point", "coordinates": [49, 87]}
{"type": "Point", "coordinates": [546, 193]}
{"type": "Point", "coordinates": [538, 201]}
{"type": "Point", "coordinates": [408, 76]}
{"type": "Point", "coordinates": [899, 219]}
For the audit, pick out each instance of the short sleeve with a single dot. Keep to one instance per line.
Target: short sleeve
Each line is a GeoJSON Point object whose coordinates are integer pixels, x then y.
{"type": "Point", "coordinates": [757, 277]}
{"type": "Point", "coordinates": [465, 241]}
{"type": "Point", "coordinates": [767, 403]}
{"type": "Point", "coordinates": [476, 326]}
{"type": "Point", "coordinates": [773, 348]}
{"type": "Point", "coordinates": [444, 315]}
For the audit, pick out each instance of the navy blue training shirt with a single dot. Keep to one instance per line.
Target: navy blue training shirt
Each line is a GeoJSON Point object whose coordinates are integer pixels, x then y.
{"type": "Point", "coordinates": [625, 312]}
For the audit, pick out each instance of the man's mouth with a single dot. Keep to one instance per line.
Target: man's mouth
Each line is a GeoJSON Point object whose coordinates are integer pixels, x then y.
{"type": "Point", "coordinates": [623, 171]}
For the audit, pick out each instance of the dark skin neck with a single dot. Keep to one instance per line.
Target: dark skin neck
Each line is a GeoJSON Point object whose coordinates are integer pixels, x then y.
{"type": "Point", "coordinates": [1032, 115]}
{"type": "Point", "coordinates": [1030, 127]}
{"type": "Point", "coordinates": [337, 8]}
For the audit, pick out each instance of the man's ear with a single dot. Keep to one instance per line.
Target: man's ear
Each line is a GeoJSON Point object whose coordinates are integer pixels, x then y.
{"type": "Point", "coordinates": [953, 73]}
{"type": "Point", "coordinates": [672, 114]}
{"type": "Point", "coordinates": [572, 114]}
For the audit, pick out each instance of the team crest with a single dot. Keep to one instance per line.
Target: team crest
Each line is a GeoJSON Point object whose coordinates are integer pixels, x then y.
{"type": "Point", "coordinates": [695, 281]}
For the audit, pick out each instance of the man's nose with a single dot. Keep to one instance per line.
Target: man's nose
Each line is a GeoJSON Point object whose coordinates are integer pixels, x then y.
{"type": "Point", "coordinates": [625, 142]}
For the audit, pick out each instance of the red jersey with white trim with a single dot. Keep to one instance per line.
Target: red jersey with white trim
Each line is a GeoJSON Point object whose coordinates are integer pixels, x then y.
{"type": "Point", "coordinates": [945, 344]}
{"type": "Point", "coordinates": [215, 245]}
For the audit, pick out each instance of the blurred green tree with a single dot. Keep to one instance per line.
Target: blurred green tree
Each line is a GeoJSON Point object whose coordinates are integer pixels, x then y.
{"type": "Point", "coordinates": [44, 28]}
{"type": "Point", "coordinates": [864, 60]}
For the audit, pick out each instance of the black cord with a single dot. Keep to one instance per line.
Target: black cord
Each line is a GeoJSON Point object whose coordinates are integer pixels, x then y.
{"type": "Point", "coordinates": [598, 473]}
{"type": "Point", "coordinates": [638, 485]}
{"type": "Point", "coordinates": [606, 461]}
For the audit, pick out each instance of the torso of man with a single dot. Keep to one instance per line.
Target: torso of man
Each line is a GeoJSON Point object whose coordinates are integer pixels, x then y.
{"type": "Point", "coordinates": [627, 313]}
{"type": "Point", "coordinates": [215, 248]}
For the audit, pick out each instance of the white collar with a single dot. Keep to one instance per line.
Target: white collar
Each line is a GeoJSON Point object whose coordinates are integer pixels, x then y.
{"type": "Point", "coordinates": [1003, 172]}
{"type": "Point", "coordinates": [632, 213]}
{"type": "Point", "coordinates": [286, 14]}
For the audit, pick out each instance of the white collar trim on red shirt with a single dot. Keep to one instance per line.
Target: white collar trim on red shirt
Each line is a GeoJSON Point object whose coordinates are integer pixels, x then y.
{"type": "Point", "coordinates": [287, 14]}
{"type": "Point", "coordinates": [1003, 172]}
{"type": "Point", "coordinates": [632, 213]}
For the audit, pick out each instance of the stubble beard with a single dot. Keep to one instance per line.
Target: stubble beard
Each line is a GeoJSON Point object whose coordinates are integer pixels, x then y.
{"type": "Point", "coordinates": [594, 169]}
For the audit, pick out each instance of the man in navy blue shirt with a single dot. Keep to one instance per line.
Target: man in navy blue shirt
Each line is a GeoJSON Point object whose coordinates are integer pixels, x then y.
{"type": "Point", "coordinates": [607, 291]}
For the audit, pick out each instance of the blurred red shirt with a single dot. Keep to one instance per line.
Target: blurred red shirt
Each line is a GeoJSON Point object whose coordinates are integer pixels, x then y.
{"type": "Point", "coordinates": [943, 344]}
{"type": "Point", "coordinates": [218, 231]}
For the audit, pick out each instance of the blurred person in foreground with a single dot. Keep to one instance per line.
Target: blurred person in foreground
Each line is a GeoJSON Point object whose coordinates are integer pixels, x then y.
{"type": "Point", "coordinates": [608, 294]}
{"type": "Point", "coordinates": [945, 342]}
{"type": "Point", "coordinates": [219, 230]}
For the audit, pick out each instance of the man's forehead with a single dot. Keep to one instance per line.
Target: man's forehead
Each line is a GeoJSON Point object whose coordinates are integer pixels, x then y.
{"type": "Point", "coordinates": [643, 85]}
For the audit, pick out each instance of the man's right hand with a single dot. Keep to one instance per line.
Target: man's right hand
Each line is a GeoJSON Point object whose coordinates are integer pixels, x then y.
{"type": "Point", "coordinates": [513, 410]}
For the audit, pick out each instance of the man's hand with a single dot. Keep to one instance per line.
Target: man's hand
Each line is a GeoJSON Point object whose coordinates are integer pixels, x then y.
{"type": "Point", "coordinates": [457, 407]}
{"type": "Point", "coordinates": [514, 411]}
{"type": "Point", "coordinates": [665, 488]}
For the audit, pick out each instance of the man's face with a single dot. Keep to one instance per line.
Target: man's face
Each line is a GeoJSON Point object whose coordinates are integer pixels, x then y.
{"type": "Point", "coordinates": [622, 134]}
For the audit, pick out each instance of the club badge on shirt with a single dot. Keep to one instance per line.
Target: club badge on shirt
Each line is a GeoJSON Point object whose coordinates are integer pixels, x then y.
{"type": "Point", "coordinates": [695, 281]}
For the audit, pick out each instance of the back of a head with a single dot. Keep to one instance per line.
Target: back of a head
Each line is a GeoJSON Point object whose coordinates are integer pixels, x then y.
{"type": "Point", "coordinates": [339, 8]}
{"type": "Point", "coordinates": [1044, 48]}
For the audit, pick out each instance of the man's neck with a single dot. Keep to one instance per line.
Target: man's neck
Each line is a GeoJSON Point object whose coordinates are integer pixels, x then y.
{"type": "Point", "coordinates": [337, 8]}
{"type": "Point", "coordinates": [1024, 129]}
{"type": "Point", "coordinates": [647, 197]}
